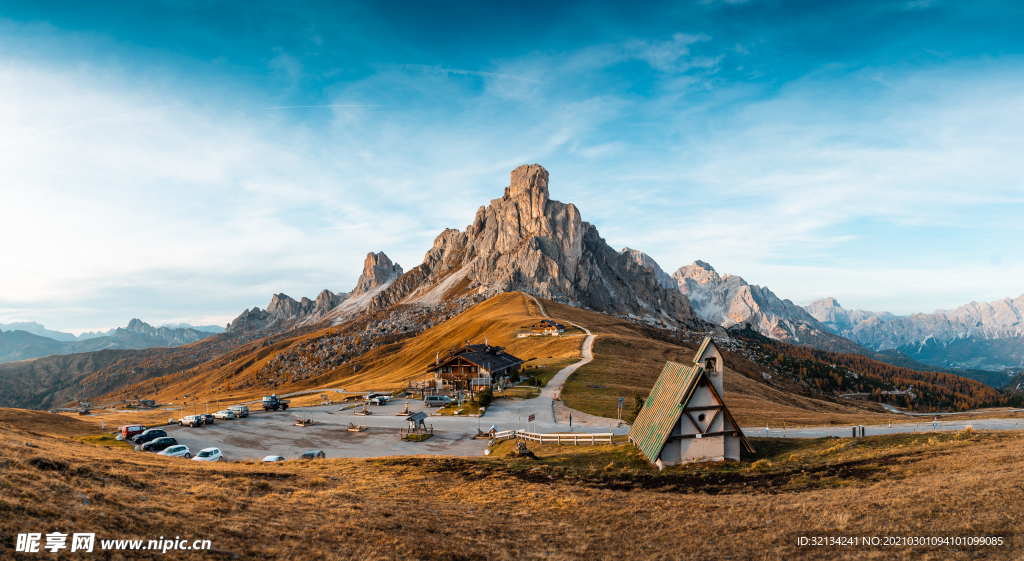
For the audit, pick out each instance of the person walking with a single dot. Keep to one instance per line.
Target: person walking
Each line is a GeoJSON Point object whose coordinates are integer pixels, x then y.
{"type": "Point", "coordinates": [935, 422]}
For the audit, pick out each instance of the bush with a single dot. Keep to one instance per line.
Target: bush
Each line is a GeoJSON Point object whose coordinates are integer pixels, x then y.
{"type": "Point", "coordinates": [760, 465]}
{"type": "Point", "coordinates": [484, 397]}
{"type": "Point", "coordinates": [635, 407]}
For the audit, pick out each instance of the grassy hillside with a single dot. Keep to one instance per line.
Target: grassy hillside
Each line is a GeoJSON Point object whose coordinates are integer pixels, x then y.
{"type": "Point", "coordinates": [235, 376]}
{"type": "Point", "coordinates": [593, 503]}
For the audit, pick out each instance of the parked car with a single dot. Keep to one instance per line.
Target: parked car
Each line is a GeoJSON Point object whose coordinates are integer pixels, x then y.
{"type": "Point", "coordinates": [207, 418]}
{"type": "Point", "coordinates": [178, 451]}
{"type": "Point", "coordinates": [225, 414]}
{"type": "Point", "coordinates": [313, 455]}
{"type": "Point", "coordinates": [436, 400]}
{"type": "Point", "coordinates": [240, 410]}
{"type": "Point", "coordinates": [191, 420]}
{"type": "Point", "coordinates": [378, 400]}
{"type": "Point", "coordinates": [209, 455]}
{"type": "Point", "coordinates": [157, 444]}
{"type": "Point", "coordinates": [274, 459]}
{"type": "Point", "coordinates": [148, 435]}
{"type": "Point", "coordinates": [130, 431]}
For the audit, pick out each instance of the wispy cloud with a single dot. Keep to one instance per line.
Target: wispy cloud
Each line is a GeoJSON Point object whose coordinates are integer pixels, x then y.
{"type": "Point", "coordinates": [322, 106]}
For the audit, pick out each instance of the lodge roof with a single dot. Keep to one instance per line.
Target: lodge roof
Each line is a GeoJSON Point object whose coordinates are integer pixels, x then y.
{"type": "Point", "coordinates": [486, 356]}
{"type": "Point", "coordinates": [665, 404]}
{"type": "Point", "coordinates": [549, 322]}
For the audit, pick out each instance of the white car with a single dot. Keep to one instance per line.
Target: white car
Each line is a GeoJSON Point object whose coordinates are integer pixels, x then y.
{"type": "Point", "coordinates": [178, 451]}
{"type": "Point", "coordinates": [274, 459]}
{"type": "Point", "coordinates": [209, 455]}
{"type": "Point", "coordinates": [225, 414]}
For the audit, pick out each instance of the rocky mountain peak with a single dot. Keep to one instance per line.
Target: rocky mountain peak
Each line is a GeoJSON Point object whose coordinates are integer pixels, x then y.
{"type": "Point", "coordinates": [138, 326]}
{"type": "Point", "coordinates": [378, 269]}
{"type": "Point", "coordinates": [529, 188]}
{"type": "Point", "coordinates": [700, 273]}
{"type": "Point", "coordinates": [527, 242]}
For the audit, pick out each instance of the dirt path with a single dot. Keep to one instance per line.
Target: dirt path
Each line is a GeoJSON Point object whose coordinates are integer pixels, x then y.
{"type": "Point", "coordinates": [559, 413]}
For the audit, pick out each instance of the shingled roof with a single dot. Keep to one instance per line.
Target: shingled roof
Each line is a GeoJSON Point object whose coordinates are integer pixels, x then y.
{"type": "Point", "coordinates": [491, 358]}
{"type": "Point", "coordinates": [665, 405]}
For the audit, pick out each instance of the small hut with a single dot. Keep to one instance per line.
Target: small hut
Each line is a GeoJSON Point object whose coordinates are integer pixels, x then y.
{"type": "Point", "coordinates": [417, 421]}
{"type": "Point", "coordinates": [685, 419]}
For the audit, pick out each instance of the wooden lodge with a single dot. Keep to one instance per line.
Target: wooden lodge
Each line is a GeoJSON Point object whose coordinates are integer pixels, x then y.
{"type": "Point", "coordinates": [685, 419]}
{"type": "Point", "coordinates": [472, 366]}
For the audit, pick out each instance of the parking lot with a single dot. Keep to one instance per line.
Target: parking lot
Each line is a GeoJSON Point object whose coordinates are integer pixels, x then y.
{"type": "Point", "coordinates": [265, 433]}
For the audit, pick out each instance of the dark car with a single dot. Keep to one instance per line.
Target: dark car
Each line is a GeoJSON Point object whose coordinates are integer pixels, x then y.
{"type": "Point", "coordinates": [313, 455]}
{"type": "Point", "coordinates": [148, 435]}
{"type": "Point", "coordinates": [207, 418]}
{"type": "Point", "coordinates": [158, 444]}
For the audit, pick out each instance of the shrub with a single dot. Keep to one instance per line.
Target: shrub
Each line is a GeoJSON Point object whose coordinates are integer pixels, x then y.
{"type": "Point", "coordinates": [484, 397]}
{"type": "Point", "coordinates": [635, 407]}
{"type": "Point", "coordinates": [966, 434]}
{"type": "Point", "coordinates": [760, 465]}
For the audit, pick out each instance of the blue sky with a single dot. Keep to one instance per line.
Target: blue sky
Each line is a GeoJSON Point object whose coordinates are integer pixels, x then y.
{"type": "Point", "coordinates": [159, 159]}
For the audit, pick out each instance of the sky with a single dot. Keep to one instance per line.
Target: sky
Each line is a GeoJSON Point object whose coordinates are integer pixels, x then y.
{"type": "Point", "coordinates": [182, 161]}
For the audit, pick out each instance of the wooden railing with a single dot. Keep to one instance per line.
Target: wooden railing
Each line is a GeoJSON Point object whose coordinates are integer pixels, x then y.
{"type": "Point", "coordinates": [555, 438]}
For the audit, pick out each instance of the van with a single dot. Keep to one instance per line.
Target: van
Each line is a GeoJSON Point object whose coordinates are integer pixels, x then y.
{"type": "Point", "coordinates": [129, 431]}
{"type": "Point", "coordinates": [436, 400]}
{"type": "Point", "coordinates": [240, 410]}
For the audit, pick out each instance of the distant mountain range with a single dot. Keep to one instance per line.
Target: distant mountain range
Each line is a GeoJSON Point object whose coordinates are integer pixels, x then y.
{"type": "Point", "coordinates": [38, 329]}
{"type": "Point", "coordinates": [977, 336]}
{"type": "Point", "coordinates": [19, 344]}
{"type": "Point", "coordinates": [985, 335]}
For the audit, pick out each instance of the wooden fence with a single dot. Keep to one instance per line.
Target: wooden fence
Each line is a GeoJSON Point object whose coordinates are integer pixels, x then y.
{"type": "Point", "coordinates": [556, 438]}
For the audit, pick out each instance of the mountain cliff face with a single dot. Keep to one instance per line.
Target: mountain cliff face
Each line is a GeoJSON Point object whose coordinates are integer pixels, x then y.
{"type": "Point", "coordinates": [728, 300]}
{"type": "Point", "coordinates": [378, 271]}
{"type": "Point", "coordinates": [645, 260]}
{"type": "Point", "coordinates": [524, 241]}
{"type": "Point", "coordinates": [977, 335]}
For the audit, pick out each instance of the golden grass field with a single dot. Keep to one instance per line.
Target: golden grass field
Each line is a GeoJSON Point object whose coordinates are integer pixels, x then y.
{"type": "Point", "coordinates": [586, 502]}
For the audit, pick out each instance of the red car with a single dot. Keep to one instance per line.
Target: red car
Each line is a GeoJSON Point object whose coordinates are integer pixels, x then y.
{"type": "Point", "coordinates": [128, 431]}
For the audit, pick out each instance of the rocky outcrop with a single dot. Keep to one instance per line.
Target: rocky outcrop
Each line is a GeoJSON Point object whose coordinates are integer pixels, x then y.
{"type": "Point", "coordinates": [284, 311]}
{"type": "Point", "coordinates": [645, 260]}
{"type": "Point", "coordinates": [524, 241]}
{"type": "Point", "coordinates": [378, 270]}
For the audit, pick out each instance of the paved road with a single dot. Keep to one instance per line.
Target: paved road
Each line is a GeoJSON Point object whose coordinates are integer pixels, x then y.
{"type": "Point", "coordinates": [901, 428]}
{"type": "Point", "coordinates": [985, 412]}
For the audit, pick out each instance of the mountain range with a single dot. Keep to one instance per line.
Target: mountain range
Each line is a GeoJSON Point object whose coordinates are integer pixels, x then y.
{"type": "Point", "coordinates": [21, 345]}
{"type": "Point", "coordinates": [985, 336]}
{"type": "Point", "coordinates": [523, 241]}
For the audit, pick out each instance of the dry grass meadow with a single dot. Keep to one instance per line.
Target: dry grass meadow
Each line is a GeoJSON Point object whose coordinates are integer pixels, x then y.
{"type": "Point", "coordinates": [586, 502]}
